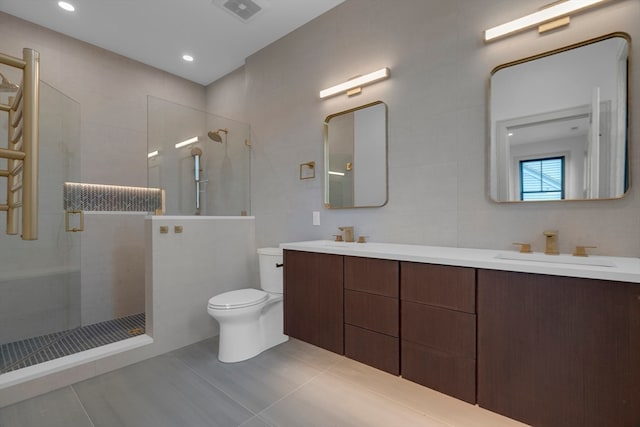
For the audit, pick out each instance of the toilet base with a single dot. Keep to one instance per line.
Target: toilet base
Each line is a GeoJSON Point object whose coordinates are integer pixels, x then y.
{"type": "Point", "coordinates": [231, 352]}
{"type": "Point", "coordinates": [246, 335]}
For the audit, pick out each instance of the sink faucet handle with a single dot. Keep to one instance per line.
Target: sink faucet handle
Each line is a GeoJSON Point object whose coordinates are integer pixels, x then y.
{"type": "Point", "coordinates": [348, 233]}
{"type": "Point", "coordinates": [525, 248]}
{"type": "Point", "coordinates": [338, 237]}
{"type": "Point", "coordinates": [582, 250]}
{"type": "Point", "coordinates": [551, 242]}
{"type": "Point", "coordinates": [362, 239]}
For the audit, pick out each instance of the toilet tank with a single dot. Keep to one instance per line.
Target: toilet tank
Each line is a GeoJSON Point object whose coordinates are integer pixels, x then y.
{"type": "Point", "coordinates": [270, 273]}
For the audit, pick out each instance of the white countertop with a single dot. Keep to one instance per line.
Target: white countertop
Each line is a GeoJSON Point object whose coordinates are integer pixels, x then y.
{"type": "Point", "coordinates": [593, 267]}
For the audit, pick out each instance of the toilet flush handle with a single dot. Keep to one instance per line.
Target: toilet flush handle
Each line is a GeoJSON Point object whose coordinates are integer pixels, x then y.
{"type": "Point", "coordinates": [279, 265]}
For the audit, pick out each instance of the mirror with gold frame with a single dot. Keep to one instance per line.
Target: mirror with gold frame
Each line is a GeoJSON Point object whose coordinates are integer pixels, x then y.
{"type": "Point", "coordinates": [559, 124]}
{"type": "Point", "coordinates": [355, 157]}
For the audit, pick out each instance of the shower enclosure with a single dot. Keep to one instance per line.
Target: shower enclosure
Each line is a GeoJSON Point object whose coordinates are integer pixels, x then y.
{"type": "Point", "coordinates": [43, 307]}
{"type": "Point", "coordinates": [201, 160]}
{"type": "Point", "coordinates": [40, 279]}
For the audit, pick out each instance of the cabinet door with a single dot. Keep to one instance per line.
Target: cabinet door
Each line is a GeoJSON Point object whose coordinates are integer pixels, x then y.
{"type": "Point", "coordinates": [372, 348]}
{"type": "Point", "coordinates": [438, 325]}
{"type": "Point", "coordinates": [373, 312]}
{"type": "Point", "coordinates": [452, 375]}
{"type": "Point", "coordinates": [375, 276]}
{"type": "Point", "coordinates": [440, 285]}
{"type": "Point", "coordinates": [556, 351]}
{"type": "Point", "coordinates": [313, 300]}
{"type": "Point", "coordinates": [449, 331]}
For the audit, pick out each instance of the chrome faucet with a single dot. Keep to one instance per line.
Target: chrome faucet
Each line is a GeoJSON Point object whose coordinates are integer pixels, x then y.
{"type": "Point", "coordinates": [348, 233]}
{"type": "Point", "coordinates": [551, 244]}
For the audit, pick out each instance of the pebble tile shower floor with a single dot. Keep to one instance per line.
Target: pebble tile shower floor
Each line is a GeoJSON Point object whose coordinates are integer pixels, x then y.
{"type": "Point", "coordinates": [31, 351]}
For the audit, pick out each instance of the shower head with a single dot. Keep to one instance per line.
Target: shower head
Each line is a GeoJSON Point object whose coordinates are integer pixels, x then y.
{"type": "Point", "coordinates": [6, 85]}
{"type": "Point", "coordinates": [195, 151]}
{"type": "Point", "coordinates": [215, 136]}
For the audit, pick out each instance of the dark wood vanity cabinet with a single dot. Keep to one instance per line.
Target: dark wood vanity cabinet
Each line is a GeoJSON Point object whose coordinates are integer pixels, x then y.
{"type": "Point", "coordinates": [438, 318]}
{"type": "Point", "coordinates": [313, 299]}
{"type": "Point", "coordinates": [559, 351]}
{"type": "Point", "coordinates": [371, 312]}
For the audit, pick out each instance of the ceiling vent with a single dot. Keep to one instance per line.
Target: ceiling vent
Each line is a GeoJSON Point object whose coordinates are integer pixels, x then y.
{"type": "Point", "coordinates": [245, 10]}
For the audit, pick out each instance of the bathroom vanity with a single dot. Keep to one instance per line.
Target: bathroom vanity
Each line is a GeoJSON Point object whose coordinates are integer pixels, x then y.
{"type": "Point", "coordinates": [548, 343]}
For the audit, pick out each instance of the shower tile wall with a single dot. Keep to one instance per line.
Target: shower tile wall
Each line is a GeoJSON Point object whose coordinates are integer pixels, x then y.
{"type": "Point", "coordinates": [25, 302]}
{"type": "Point", "coordinates": [112, 93]}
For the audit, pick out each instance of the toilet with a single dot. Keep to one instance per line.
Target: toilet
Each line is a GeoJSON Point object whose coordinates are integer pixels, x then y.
{"type": "Point", "coordinates": [251, 320]}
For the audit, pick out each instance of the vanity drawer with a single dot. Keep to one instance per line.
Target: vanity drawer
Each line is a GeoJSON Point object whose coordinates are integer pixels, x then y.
{"type": "Point", "coordinates": [455, 376]}
{"type": "Point", "coordinates": [376, 276]}
{"type": "Point", "coordinates": [372, 348]}
{"type": "Point", "coordinates": [449, 331]}
{"type": "Point", "coordinates": [373, 312]}
{"type": "Point", "coordinates": [439, 285]}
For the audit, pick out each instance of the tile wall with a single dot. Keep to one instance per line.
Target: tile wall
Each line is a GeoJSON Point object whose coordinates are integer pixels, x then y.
{"type": "Point", "coordinates": [437, 97]}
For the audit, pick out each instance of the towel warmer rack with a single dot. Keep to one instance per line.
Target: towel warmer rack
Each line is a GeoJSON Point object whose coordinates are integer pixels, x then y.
{"type": "Point", "coordinates": [23, 147]}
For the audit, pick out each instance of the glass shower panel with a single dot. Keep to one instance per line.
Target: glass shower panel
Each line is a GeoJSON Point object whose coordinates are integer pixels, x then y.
{"type": "Point", "coordinates": [224, 166]}
{"type": "Point", "coordinates": [40, 279]}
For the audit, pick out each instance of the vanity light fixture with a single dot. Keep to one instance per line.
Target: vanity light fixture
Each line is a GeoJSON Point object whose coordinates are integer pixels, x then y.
{"type": "Point", "coordinates": [152, 154]}
{"type": "Point", "coordinates": [66, 6]}
{"type": "Point", "coordinates": [559, 11]}
{"type": "Point", "coordinates": [354, 86]}
{"type": "Point", "coordinates": [186, 142]}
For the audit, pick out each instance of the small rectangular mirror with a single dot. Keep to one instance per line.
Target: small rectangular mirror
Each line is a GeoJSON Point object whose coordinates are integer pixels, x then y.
{"type": "Point", "coordinates": [558, 124]}
{"type": "Point", "coordinates": [355, 157]}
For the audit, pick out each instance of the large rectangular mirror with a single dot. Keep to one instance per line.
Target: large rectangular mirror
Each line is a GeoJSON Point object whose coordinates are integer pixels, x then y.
{"type": "Point", "coordinates": [559, 124]}
{"type": "Point", "coordinates": [355, 157]}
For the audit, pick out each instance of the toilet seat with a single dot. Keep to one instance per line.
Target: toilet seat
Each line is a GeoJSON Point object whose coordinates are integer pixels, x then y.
{"type": "Point", "coordinates": [238, 299]}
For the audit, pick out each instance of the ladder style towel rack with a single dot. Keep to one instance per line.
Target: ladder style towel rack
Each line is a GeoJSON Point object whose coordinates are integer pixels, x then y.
{"type": "Point", "coordinates": [22, 150]}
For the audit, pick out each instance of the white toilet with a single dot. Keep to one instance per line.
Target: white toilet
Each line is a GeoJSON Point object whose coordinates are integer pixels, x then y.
{"type": "Point", "coordinates": [251, 320]}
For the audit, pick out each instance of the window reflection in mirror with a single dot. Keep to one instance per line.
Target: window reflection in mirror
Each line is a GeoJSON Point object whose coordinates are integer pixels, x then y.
{"type": "Point", "coordinates": [356, 157]}
{"type": "Point", "coordinates": [570, 103]}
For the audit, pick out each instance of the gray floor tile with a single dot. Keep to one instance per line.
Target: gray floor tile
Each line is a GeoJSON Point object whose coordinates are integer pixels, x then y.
{"type": "Point", "coordinates": [421, 399]}
{"type": "Point", "coordinates": [256, 422]}
{"type": "Point", "coordinates": [317, 357]}
{"type": "Point", "coordinates": [157, 392]}
{"type": "Point", "coordinates": [255, 383]}
{"type": "Point", "coordinates": [60, 408]}
{"type": "Point", "coordinates": [327, 401]}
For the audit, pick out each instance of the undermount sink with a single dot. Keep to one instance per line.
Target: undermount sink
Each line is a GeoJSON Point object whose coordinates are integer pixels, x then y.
{"type": "Point", "coordinates": [556, 259]}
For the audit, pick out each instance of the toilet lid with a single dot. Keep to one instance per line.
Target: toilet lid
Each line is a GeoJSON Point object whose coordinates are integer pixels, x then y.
{"type": "Point", "coordinates": [238, 299]}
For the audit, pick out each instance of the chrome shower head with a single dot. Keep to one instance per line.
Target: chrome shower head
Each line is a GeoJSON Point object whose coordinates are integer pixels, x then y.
{"type": "Point", "coordinates": [215, 136]}
{"type": "Point", "coordinates": [6, 85]}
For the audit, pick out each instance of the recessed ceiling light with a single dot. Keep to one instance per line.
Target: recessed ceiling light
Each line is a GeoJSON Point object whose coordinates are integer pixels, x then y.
{"type": "Point", "coordinates": [187, 58]}
{"type": "Point", "coordinates": [66, 6]}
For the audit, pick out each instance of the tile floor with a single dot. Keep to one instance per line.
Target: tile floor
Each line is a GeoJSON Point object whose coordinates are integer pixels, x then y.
{"type": "Point", "coordinates": [293, 384]}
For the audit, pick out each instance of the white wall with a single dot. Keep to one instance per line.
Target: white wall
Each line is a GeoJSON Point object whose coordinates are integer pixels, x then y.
{"type": "Point", "coordinates": [437, 97]}
{"type": "Point", "coordinates": [184, 270]}
{"type": "Point", "coordinates": [112, 93]}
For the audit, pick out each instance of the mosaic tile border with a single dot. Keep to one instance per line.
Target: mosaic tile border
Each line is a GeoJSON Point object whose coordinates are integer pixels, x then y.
{"type": "Point", "coordinates": [113, 198]}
